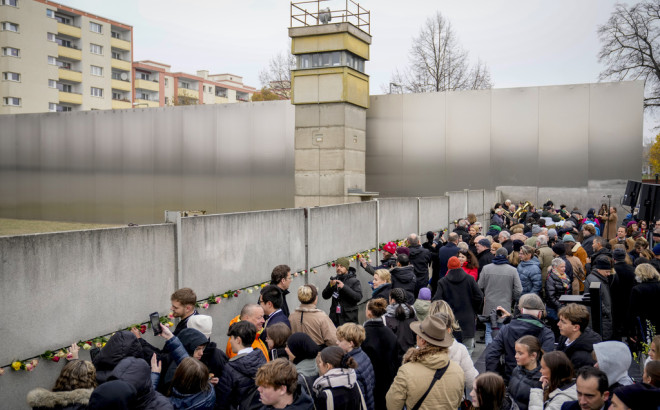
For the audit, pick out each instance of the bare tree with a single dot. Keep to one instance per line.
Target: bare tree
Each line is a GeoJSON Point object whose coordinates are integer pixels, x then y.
{"type": "Point", "coordinates": [277, 76]}
{"type": "Point", "coordinates": [439, 63]}
{"type": "Point", "coordinates": [630, 47]}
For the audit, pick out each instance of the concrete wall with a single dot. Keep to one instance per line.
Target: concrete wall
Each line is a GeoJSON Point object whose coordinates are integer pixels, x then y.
{"type": "Point", "coordinates": [434, 213]}
{"type": "Point", "coordinates": [398, 217]}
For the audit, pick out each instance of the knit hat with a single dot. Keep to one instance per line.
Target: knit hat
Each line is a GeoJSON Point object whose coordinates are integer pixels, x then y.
{"type": "Point", "coordinates": [302, 347]}
{"type": "Point", "coordinates": [552, 233]}
{"type": "Point", "coordinates": [402, 250]}
{"type": "Point", "coordinates": [631, 223]}
{"type": "Point", "coordinates": [639, 396]}
{"type": "Point", "coordinates": [495, 228]}
{"type": "Point", "coordinates": [390, 247]}
{"type": "Point", "coordinates": [517, 244]}
{"type": "Point", "coordinates": [484, 242]}
{"type": "Point", "coordinates": [424, 294]}
{"type": "Point", "coordinates": [344, 262]}
{"type": "Point", "coordinates": [568, 238]}
{"type": "Point", "coordinates": [203, 323]}
{"type": "Point", "coordinates": [559, 249]}
{"type": "Point", "coordinates": [453, 263]}
{"type": "Point", "coordinates": [603, 263]}
{"type": "Point", "coordinates": [502, 252]}
{"type": "Point", "coordinates": [619, 255]}
{"type": "Point", "coordinates": [656, 249]}
{"type": "Point", "coordinates": [536, 230]}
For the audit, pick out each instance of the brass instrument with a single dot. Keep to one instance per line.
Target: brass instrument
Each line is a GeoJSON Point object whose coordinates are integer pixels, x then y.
{"type": "Point", "coordinates": [527, 206]}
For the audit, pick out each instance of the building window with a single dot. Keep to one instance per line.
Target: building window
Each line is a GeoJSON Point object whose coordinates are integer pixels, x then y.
{"type": "Point", "coordinates": [50, 13]}
{"type": "Point", "coordinates": [51, 37]}
{"type": "Point", "coordinates": [116, 55]}
{"type": "Point", "coordinates": [62, 108]}
{"type": "Point", "coordinates": [52, 107]}
{"type": "Point", "coordinates": [184, 84]}
{"type": "Point", "coordinates": [143, 96]}
{"type": "Point", "coordinates": [95, 49]}
{"type": "Point", "coordinates": [142, 76]}
{"type": "Point", "coordinates": [63, 64]}
{"type": "Point", "coordinates": [97, 92]}
{"type": "Point", "coordinates": [10, 76]}
{"type": "Point", "coordinates": [96, 70]}
{"type": "Point", "coordinates": [166, 82]}
{"type": "Point", "coordinates": [8, 26]}
{"type": "Point", "coordinates": [115, 34]}
{"type": "Point", "coordinates": [167, 101]}
{"type": "Point", "coordinates": [16, 102]}
{"type": "Point", "coordinates": [331, 59]}
{"type": "Point", "coordinates": [65, 43]}
{"type": "Point", "coordinates": [13, 3]}
{"type": "Point", "coordinates": [52, 83]}
{"type": "Point", "coordinates": [67, 88]}
{"type": "Point", "coordinates": [11, 51]}
{"type": "Point", "coordinates": [95, 27]}
{"type": "Point", "coordinates": [64, 19]}
{"type": "Point", "coordinates": [117, 96]}
{"type": "Point", "coordinates": [52, 60]}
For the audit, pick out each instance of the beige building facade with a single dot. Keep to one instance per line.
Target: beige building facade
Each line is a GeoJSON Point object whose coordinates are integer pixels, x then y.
{"type": "Point", "coordinates": [56, 58]}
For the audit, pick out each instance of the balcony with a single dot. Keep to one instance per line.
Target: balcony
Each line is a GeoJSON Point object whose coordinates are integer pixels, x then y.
{"type": "Point", "coordinates": [71, 31]}
{"type": "Point", "coordinates": [121, 85]}
{"type": "Point", "coordinates": [147, 85]}
{"type": "Point", "coordinates": [121, 104]}
{"type": "Point", "coordinates": [221, 100]}
{"type": "Point", "coordinates": [70, 75]}
{"type": "Point", "coordinates": [146, 103]}
{"type": "Point", "coordinates": [70, 53]}
{"type": "Point", "coordinates": [70, 98]}
{"type": "Point", "coordinates": [184, 92]}
{"type": "Point", "coordinates": [120, 64]}
{"type": "Point", "coordinates": [120, 44]}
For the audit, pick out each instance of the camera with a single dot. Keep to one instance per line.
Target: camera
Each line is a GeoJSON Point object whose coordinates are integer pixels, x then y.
{"type": "Point", "coordinates": [333, 278]}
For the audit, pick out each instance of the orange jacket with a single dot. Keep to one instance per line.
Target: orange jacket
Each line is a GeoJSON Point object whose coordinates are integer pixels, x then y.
{"type": "Point", "coordinates": [258, 344]}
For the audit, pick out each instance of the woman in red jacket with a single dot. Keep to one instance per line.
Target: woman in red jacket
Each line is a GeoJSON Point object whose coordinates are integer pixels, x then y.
{"type": "Point", "coordinates": [469, 263]}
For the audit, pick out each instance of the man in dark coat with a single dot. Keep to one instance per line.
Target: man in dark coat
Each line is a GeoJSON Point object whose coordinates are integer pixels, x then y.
{"type": "Point", "coordinates": [446, 252]}
{"type": "Point", "coordinates": [237, 379]}
{"type": "Point", "coordinates": [462, 293]}
{"type": "Point", "coordinates": [577, 340]}
{"type": "Point", "coordinates": [420, 258]}
{"type": "Point", "coordinates": [403, 277]}
{"type": "Point", "coordinates": [462, 230]}
{"type": "Point", "coordinates": [121, 345]}
{"type": "Point", "coordinates": [345, 291]}
{"type": "Point", "coordinates": [621, 294]}
{"type": "Point", "coordinates": [603, 274]}
{"type": "Point", "coordinates": [528, 323]}
{"type": "Point", "coordinates": [281, 277]}
{"type": "Point", "coordinates": [271, 301]}
{"type": "Point", "coordinates": [505, 240]}
{"type": "Point", "coordinates": [483, 252]}
{"type": "Point", "coordinates": [599, 250]}
{"type": "Point", "coordinates": [380, 345]}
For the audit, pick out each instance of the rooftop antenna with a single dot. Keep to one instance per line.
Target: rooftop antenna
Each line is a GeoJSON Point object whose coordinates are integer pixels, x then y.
{"type": "Point", "coordinates": [325, 16]}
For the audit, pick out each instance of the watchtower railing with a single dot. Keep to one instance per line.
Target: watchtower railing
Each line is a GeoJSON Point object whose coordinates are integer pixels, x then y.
{"type": "Point", "coordinates": [352, 13]}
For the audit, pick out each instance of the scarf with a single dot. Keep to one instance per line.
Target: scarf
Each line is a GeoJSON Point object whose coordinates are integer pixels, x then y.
{"type": "Point", "coordinates": [335, 378]}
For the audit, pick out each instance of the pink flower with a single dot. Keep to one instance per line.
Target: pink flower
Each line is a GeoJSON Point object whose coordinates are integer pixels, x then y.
{"type": "Point", "coordinates": [218, 299]}
{"type": "Point", "coordinates": [69, 356]}
{"type": "Point", "coordinates": [2, 371]}
{"type": "Point", "coordinates": [29, 367]}
{"type": "Point", "coordinates": [55, 359]}
{"type": "Point", "coordinates": [34, 362]}
{"type": "Point", "coordinates": [205, 305]}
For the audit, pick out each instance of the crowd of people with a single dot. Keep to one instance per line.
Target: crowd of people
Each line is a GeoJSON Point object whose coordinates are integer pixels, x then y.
{"type": "Point", "coordinates": [414, 350]}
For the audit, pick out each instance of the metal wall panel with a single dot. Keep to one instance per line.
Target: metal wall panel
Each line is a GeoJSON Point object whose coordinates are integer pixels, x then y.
{"type": "Point", "coordinates": [563, 135]}
{"type": "Point", "coordinates": [384, 142]}
{"type": "Point", "coordinates": [8, 165]}
{"type": "Point", "coordinates": [615, 130]}
{"type": "Point", "coordinates": [514, 136]}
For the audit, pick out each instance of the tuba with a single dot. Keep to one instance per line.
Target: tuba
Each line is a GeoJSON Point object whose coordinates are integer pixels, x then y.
{"type": "Point", "coordinates": [527, 206]}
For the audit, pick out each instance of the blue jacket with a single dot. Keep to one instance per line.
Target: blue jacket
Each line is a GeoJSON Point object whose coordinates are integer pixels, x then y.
{"type": "Point", "coordinates": [522, 381]}
{"type": "Point", "coordinates": [276, 317]}
{"type": "Point", "coordinates": [204, 400]}
{"type": "Point", "coordinates": [238, 378]}
{"type": "Point", "coordinates": [446, 252]}
{"type": "Point", "coordinates": [365, 375]}
{"type": "Point", "coordinates": [530, 276]}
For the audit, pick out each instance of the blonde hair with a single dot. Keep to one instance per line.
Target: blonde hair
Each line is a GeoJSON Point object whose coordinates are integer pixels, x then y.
{"type": "Point", "coordinates": [384, 274]}
{"type": "Point", "coordinates": [645, 272]}
{"type": "Point", "coordinates": [351, 332]}
{"type": "Point", "coordinates": [495, 246]}
{"type": "Point", "coordinates": [442, 307]}
{"type": "Point", "coordinates": [307, 293]}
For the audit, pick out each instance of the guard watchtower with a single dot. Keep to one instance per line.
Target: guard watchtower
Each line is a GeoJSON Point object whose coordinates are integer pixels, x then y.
{"type": "Point", "coordinates": [330, 90]}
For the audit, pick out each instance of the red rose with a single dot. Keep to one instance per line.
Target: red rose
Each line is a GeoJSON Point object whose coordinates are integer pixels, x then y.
{"type": "Point", "coordinates": [333, 264]}
{"type": "Point", "coordinates": [55, 359]}
{"type": "Point", "coordinates": [143, 329]}
{"type": "Point", "coordinates": [235, 294]}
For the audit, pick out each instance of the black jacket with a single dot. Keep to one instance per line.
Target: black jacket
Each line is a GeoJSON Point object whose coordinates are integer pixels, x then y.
{"type": "Point", "coordinates": [347, 298]}
{"type": "Point", "coordinates": [462, 293]}
{"type": "Point", "coordinates": [238, 378]}
{"type": "Point", "coordinates": [621, 295]}
{"type": "Point", "coordinates": [137, 373]}
{"type": "Point", "coordinates": [383, 291]}
{"type": "Point", "coordinates": [190, 339]}
{"type": "Point", "coordinates": [580, 350]}
{"type": "Point", "coordinates": [505, 341]}
{"type": "Point", "coordinates": [588, 245]}
{"type": "Point", "coordinates": [522, 380]}
{"type": "Point", "coordinates": [644, 305]}
{"type": "Point", "coordinates": [446, 252]}
{"type": "Point", "coordinates": [380, 345]}
{"type": "Point", "coordinates": [121, 345]}
{"type": "Point", "coordinates": [484, 258]}
{"type": "Point", "coordinates": [554, 289]}
{"type": "Point", "coordinates": [405, 337]}
{"type": "Point", "coordinates": [591, 266]}
{"type": "Point", "coordinates": [463, 233]}
{"type": "Point", "coordinates": [420, 258]}
{"type": "Point", "coordinates": [301, 401]}
{"type": "Point", "coordinates": [508, 245]}
{"type": "Point", "coordinates": [384, 264]}
{"type": "Point", "coordinates": [403, 277]}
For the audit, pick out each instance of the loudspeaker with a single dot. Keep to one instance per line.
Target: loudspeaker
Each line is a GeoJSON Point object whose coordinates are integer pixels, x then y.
{"type": "Point", "coordinates": [632, 193]}
{"type": "Point", "coordinates": [649, 202]}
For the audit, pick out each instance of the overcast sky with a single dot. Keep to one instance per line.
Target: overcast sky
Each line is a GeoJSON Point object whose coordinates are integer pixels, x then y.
{"type": "Point", "coordinates": [524, 42]}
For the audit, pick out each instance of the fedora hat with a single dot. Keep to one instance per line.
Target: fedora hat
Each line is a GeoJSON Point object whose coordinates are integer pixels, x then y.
{"type": "Point", "coordinates": [434, 330]}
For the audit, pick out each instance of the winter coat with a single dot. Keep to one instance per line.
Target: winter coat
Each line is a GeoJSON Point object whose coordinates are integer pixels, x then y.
{"type": "Point", "coordinates": [421, 307]}
{"type": "Point", "coordinates": [414, 378]}
{"type": "Point", "coordinates": [274, 318]}
{"type": "Point", "coordinates": [420, 259]}
{"type": "Point", "coordinates": [42, 399]}
{"type": "Point", "coordinates": [581, 254]}
{"type": "Point", "coordinates": [342, 390]}
{"type": "Point", "coordinates": [301, 401]}
{"type": "Point", "coordinates": [644, 306]}
{"type": "Point", "coordinates": [621, 295]}
{"type": "Point", "coordinates": [365, 375]}
{"type": "Point", "coordinates": [602, 252]}
{"type": "Point", "coordinates": [381, 346]}
{"type": "Point", "coordinates": [383, 291]}
{"type": "Point", "coordinates": [474, 272]}
{"type": "Point", "coordinates": [121, 345]}
{"type": "Point", "coordinates": [203, 400]}
{"type": "Point", "coordinates": [461, 292]}
{"type": "Point", "coordinates": [628, 242]}
{"type": "Point", "coordinates": [315, 322]}
{"type": "Point", "coordinates": [605, 301]}
{"type": "Point", "coordinates": [500, 283]}
{"type": "Point", "coordinates": [484, 258]}
{"type": "Point", "coordinates": [505, 341]}
{"type": "Point", "coordinates": [257, 344]}
{"type": "Point", "coordinates": [458, 353]}
{"type": "Point", "coordinates": [179, 347]}
{"type": "Point", "coordinates": [238, 379]}
{"type": "Point", "coordinates": [346, 298]}
{"type": "Point", "coordinates": [529, 273]}
{"type": "Point", "coordinates": [579, 352]}
{"type": "Point", "coordinates": [137, 373]}
{"type": "Point", "coordinates": [112, 395]}
{"type": "Point", "coordinates": [508, 244]}
{"type": "Point", "coordinates": [403, 277]}
{"type": "Point", "coordinates": [554, 289]}
{"type": "Point", "coordinates": [463, 234]}
{"type": "Point", "coordinates": [521, 382]}
{"type": "Point", "coordinates": [579, 275]}
{"type": "Point", "coordinates": [446, 252]}
{"type": "Point", "coordinates": [405, 337]}
{"type": "Point", "coordinates": [609, 230]}
{"type": "Point", "coordinates": [588, 245]}
{"type": "Point", "coordinates": [614, 359]}
{"type": "Point", "coordinates": [555, 399]}
{"type": "Point", "coordinates": [215, 359]}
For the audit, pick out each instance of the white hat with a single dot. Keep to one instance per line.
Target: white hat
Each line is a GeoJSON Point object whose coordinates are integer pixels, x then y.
{"type": "Point", "coordinates": [202, 323]}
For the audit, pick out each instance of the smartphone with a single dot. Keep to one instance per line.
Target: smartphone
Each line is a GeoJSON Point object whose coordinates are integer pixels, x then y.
{"type": "Point", "coordinates": [155, 323]}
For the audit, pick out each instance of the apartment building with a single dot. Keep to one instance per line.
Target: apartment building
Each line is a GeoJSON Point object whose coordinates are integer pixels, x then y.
{"type": "Point", "coordinates": [157, 86]}
{"type": "Point", "coordinates": [56, 58]}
